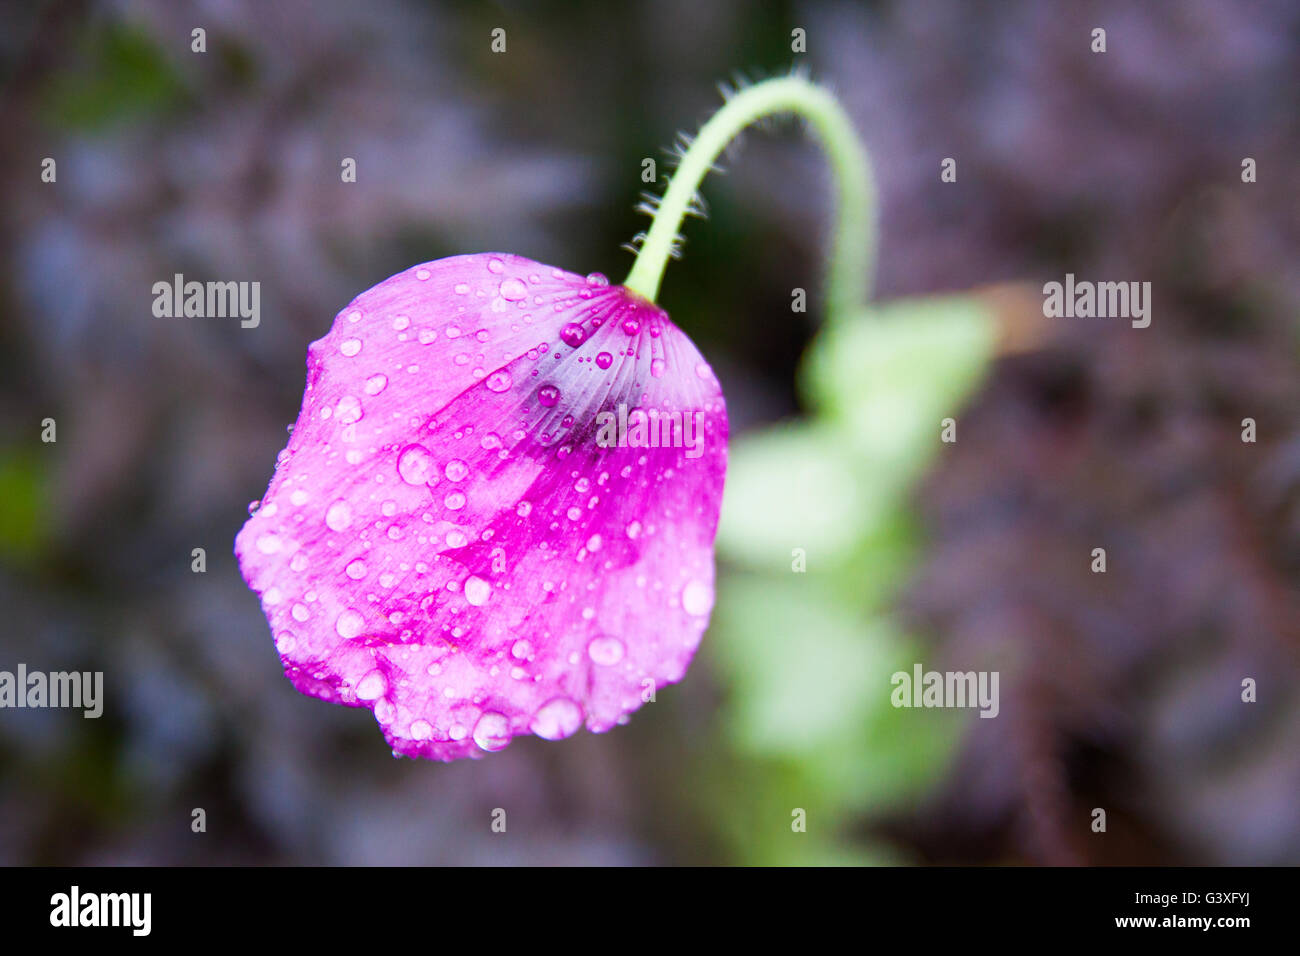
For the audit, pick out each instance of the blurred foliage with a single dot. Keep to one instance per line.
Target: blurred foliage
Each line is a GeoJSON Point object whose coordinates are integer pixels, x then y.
{"type": "Point", "coordinates": [125, 76]}
{"type": "Point", "coordinates": [24, 506]}
{"type": "Point", "coordinates": [805, 654]}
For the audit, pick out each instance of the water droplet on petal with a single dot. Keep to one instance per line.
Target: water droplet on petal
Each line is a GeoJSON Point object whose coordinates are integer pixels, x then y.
{"type": "Point", "coordinates": [350, 347]}
{"type": "Point", "coordinates": [499, 381]}
{"type": "Point", "coordinates": [349, 409]}
{"type": "Point", "coordinates": [477, 591]}
{"type": "Point", "coordinates": [339, 516]}
{"type": "Point", "coordinates": [496, 266]}
{"type": "Point", "coordinates": [556, 719]}
{"type": "Point", "coordinates": [421, 730]}
{"type": "Point", "coordinates": [697, 598]}
{"type": "Point", "coordinates": [548, 395]}
{"type": "Point", "coordinates": [376, 384]}
{"type": "Point", "coordinates": [492, 732]}
{"type": "Point", "coordinates": [456, 470]}
{"type": "Point", "coordinates": [356, 570]}
{"type": "Point", "coordinates": [634, 530]}
{"type": "Point", "coordinates": [657, 367]}
{"type": "Point", "coordinates": [454, 501]}
{"type": "Point", "coordinates": [573, 335]}
{"type": "Point", "coordinates": [604, 360]}
{"type": "Point", "coordinates": [372, 686]}
{"type": "Point", "coordinates": [512, 290]}
{"type": "Point", "coordinates": [606, 651]}
{"type": "Point", "coordinates": [349, 623]}
{"type": "Point", "coordinates": [415, 464]}
{"type": "Point", "coordinates": [268, 544]}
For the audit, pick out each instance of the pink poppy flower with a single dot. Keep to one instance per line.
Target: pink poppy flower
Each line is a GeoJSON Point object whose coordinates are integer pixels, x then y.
{"type": "Point", "coordinates": [496, 512]}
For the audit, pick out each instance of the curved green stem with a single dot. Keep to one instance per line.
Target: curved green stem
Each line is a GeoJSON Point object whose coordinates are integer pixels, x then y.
{"type": "Point", "coordinates": [853, 252]}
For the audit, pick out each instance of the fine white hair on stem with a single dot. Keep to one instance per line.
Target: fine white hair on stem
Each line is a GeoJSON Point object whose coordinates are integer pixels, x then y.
{"type": "Point", "coordinates": [635, 243]}
{"type": "Point", "coordinates": [757, 104]}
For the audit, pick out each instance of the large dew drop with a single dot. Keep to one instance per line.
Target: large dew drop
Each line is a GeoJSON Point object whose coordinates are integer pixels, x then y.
{"type": "Point", "coordinates": [477, 591]}
{"type": "Point", "coordinates": [606, 651]}
{"type": "Point", "coordinates": [348, 410]}
{"type": "Point", "coordinates": [492, 732]}
{"type": "Point", "coordinates": [339, 516]}
{"type": "Point", "coordinates": [349, 624]}
{"type": "Point", "coordinates": [556, 719]}
{"type": "Point", "coordinates": [415, 464]}
{"type": "Point", "coordinates": [697, 598]}
{"type": "Point", "coordinates": [512, 290]}
{"type": "Point", "coordinates": [372, 686]}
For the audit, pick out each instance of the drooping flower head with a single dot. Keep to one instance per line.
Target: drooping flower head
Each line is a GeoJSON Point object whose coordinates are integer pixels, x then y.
{"type": "Point", "coordinates": [495, 514]}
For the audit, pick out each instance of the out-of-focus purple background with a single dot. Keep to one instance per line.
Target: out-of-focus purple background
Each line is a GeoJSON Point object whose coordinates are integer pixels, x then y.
{"type": "Point", "coordinates": [1125, 688]}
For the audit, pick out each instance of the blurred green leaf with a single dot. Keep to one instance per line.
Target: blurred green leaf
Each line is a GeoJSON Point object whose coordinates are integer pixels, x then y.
{"type": "Point", "coordinates": [125, 76]}
{"type": "Point", "coordinates": [751, 803]}
{"type": "Point", "coordinates": [890, 375]}
{"type": "Point", "coordinates": [798, 664]}
{"type": "Point", "coordinates": [23, 508]}
{"type": "Point", "coordinates": [793, 486]}
{"type": "Point", "coordinates": [806, 658]}
{"type": "Point", "coordinates": [809, 680]}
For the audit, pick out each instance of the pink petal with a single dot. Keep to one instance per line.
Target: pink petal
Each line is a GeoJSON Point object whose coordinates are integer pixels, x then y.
{"type": "Point", "coordinates": [445, 541]}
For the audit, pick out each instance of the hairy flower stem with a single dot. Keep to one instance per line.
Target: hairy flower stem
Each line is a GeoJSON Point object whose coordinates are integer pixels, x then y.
{"type": "Point", "coordinates": [853, 253]}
